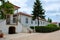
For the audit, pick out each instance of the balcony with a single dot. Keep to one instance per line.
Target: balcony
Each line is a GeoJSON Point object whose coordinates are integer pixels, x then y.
{"type": "Point", "coordinates": [11, 20]}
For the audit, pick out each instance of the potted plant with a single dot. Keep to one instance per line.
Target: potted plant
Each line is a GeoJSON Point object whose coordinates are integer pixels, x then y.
{"type": "Point", "coordinates": [1, 34]}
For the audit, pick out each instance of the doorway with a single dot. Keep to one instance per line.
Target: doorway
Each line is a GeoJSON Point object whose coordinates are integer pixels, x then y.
{"type": "Point", "coordinates": [12, 30]}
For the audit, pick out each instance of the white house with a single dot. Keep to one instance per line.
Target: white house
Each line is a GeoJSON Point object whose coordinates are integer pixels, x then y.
{"type": "Point", "coordinates": [10, 24]}
{"type": "Point", "coordinates": [26, 19]}
{"type": "Point", "coordinates": [20, 22]}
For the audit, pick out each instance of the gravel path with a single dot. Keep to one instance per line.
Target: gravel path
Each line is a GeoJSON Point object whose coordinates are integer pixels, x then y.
{"type": "Point", "coordinates": [34, 36]}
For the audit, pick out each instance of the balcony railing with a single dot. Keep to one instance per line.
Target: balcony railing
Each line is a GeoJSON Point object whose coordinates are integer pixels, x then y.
{"type": "Point", "coordinates": [13, 21]}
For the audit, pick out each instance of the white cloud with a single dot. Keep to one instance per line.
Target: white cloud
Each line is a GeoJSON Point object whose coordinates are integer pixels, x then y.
{"type": "Point", "coordinates": [52, 7]}
{"type": "Point", "coordinates": [53, 14]}
{"type": "Point", "coordinates": [50, 0]}
{"type": "Point", "coordinates": [22, 4]}
{"type": "Point", "coordinates": [26, 9]}
{"type": "Point", "coordinates": [19, 2]}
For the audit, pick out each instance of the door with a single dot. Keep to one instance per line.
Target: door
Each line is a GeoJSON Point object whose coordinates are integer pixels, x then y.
{"type": "Point", "coordinates": [12, 30]}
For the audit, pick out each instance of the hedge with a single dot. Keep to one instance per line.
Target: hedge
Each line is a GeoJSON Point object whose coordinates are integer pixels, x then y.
{"type": "Point", "coordinates": [46, 29]}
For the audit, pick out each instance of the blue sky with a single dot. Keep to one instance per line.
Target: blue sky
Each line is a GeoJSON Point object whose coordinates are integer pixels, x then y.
{"type": "Point", "coordinates": [52, 7]}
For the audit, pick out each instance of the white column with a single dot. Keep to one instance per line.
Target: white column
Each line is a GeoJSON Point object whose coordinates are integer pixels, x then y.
{"type": "Point", "coordinates": [11, 19]}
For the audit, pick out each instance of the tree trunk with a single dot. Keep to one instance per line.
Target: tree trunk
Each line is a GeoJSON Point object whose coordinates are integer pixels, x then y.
{"type": "Point", "coordinates": [38, 22]}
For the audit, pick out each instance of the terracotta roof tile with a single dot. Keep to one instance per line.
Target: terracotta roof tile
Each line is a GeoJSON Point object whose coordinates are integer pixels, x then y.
{"type": "Point", "coordinates": [16, 7]}
{"type": "Point", "coordinates": [54, 22]}
{"type": "Point", "coordinates": [21, 13]}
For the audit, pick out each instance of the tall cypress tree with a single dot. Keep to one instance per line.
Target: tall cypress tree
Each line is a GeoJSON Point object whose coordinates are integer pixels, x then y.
{"type": "Point", "coordinates": [38, 11]}
{"type": "Point", "coordinates": [49, 20]}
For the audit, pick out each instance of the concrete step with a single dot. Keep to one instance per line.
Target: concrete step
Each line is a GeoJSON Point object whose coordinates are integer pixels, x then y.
{"type": "Point", "coordinates": [27, 30]}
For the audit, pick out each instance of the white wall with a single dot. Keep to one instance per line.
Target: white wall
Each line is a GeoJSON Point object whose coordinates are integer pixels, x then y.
{"type": "Point", "coordinates": [15, 11]}
{"type": "Point", "coordinates": [58, 24]}
{"type": "Point", "coordinates": [19, 28]}
{"type": "Point", "coordinates": [5, 28]}
{"type": "Point", "coordinates": [22, 18]}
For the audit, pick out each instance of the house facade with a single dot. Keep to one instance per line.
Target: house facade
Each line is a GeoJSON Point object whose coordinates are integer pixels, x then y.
{"type": "Point", "coordinates": [10, 25]}
{"type": "Point", "coordinates": [26, 19]}
{"type": "Point", "coordinates": [19, 22]}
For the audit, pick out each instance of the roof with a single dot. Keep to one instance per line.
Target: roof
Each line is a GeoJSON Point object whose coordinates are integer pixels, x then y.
{"type": "Point", "coordinates": [21, 13]}
{"type": "Point", "coordinates": [54, 22]}
{"type": "Point", "coordinates": [15, 7]}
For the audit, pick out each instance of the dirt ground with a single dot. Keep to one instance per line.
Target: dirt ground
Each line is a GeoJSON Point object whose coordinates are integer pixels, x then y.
{"type": "Point", "coordinates": [33, 36]}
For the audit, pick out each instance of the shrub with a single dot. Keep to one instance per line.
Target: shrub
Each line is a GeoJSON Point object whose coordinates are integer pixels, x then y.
{"type": "Point", "coordinates": [52, 25]}
{"type": "Point", "coordinates": [46, 29]}
{"type": "Point", "coordinates": [32, 27]}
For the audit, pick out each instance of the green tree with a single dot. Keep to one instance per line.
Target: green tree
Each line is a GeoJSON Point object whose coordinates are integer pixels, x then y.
{"type": "Point", "coordinates": [38, 11]}
{"type": "Point", "coordinates": [1, 12]}
{"type": "Point", "coordinates": [49, 20]}
{"type": "Point", "coordinates": [6, 8]}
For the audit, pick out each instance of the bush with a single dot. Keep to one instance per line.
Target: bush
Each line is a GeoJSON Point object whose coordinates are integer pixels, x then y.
{"type": "Point", "coordinates": [52, 25]}
{"type": "Point", "coordinates": [32, 27]}
{"type": "Point", "coordinates": [46, 29]}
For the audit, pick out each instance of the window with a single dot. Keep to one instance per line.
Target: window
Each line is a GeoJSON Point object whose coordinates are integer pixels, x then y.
{"type": "Point", "coordinates": [31, 21]}
{"type": "Point", "coordinates": [19, 20]}
{"type": "Point", "coordinates": [26, 20]}
{"type": "Point", "coordinates": [8, 19]}
{"type": "Point", "coordinates": [14, 18]}
{"type": "Point", "coordinates": [41, 22]}
{"type": "Point", "coordinates": [35, 22]}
